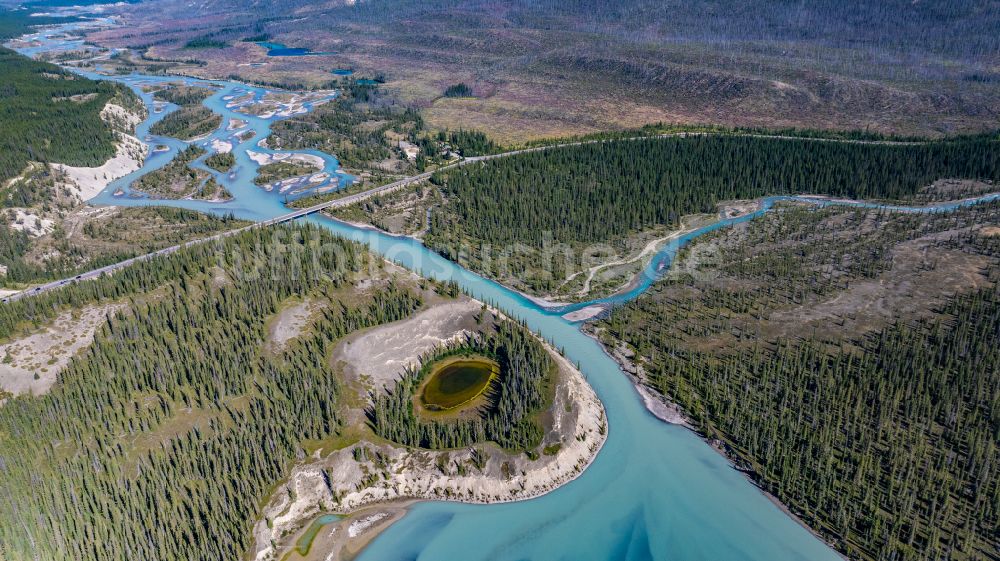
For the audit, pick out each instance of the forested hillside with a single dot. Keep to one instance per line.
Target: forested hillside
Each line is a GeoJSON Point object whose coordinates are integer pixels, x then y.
{"type": "Point", "coordinates": [508, 212]}
{"type": "Point", "coordinates": [164, 437]}
{"type": "Point", "coordinates": [599, 192]}
{"type": "Point", "coordinates": [849, 360]}
{"type": "Point", "coordinates": [51, 115]}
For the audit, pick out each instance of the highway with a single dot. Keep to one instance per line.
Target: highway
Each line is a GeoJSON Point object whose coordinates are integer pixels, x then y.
{"type": "Point", "coordinates": [335, 203]}
{"type": "Point", "coordinates": [339, 202]}
{"type": "Point", "coordinates": [382, 189]}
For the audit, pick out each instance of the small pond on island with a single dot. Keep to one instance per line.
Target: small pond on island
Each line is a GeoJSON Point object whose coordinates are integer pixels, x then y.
{"type": "Point", "coordinates": [456, 381]}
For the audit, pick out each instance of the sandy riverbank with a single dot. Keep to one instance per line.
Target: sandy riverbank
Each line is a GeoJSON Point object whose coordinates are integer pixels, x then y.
{"type": "Point", "coordinates": [264, 159]}
{"type": "Point", "coordinates": [130, 153]}
{"type": "Point", "coordinates": [221, 146]}
{"type": "Point", "coordinates": [659, 406]}
{"type": "Point", "coordinates": [371, 476]}
{"type": "Point", "coordinates": [585, 313]}
{"type": "Point", "coordinates": [667, 411]}
{"type": "Point", "coordinates": [86, 182]}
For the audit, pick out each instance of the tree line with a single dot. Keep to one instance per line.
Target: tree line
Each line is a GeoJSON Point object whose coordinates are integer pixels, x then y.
{"type": "Point", "coordinates": [884, 441]}
{"type": "Point", "coordinates": [48, 114]}
{"type": "Point", "coordinates": [163, 437]}
{"type": "Point", "coordinates": [513, 402]}
{"type": "Point", "coordinates": [601, 192]}
{"type": "Point", "coordinates": [188, 122]}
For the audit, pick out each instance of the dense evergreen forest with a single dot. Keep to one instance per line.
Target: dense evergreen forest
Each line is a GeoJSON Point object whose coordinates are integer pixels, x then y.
{"type": "Point", "coordinates": [600, 192]}
{"type": "Point", "coordinates": [183, 95]}
{"type": "Point", "coordinates": [517, 397]}
{"type": "Point", "coordinates": [205, 43]}
{"type": "Point", "coordinates": [467, 143]}
{"type": "Point", "coordinates": [879, 432]}
{"type": "Point", "coordinates": [458, 90]}
{"type": "Point", "coordinates": [163, 438]}
{"type": "Point", "coordinates": [51, 115]}
{"type": "Point", "coordinates": [176, 179]}
{"type": "Point", "coordinates": [221, 161]}
{"type": "Point", "coordinates": [14, 23]}
{"type": "Point", "coordinates": [187, 123]}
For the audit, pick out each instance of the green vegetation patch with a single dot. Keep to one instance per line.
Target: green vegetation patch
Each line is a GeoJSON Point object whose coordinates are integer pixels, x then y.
{"type": "Point", "coordinates": [456, 382]}
{"type": "Point", "coordinates": [458, 90]}
{"type": "Point", "coordinates": [467, 142]}
{"type": "Point", "coordinates": [187, 123]}
{"type": "Point", "coordinates": [205, 43]}
{"type": "Point", "coordinates": [221, 161]}
{"type": "Point", "coordinates": [175, 180]}
{"type": "Point", "coordinates": [212, 190]}
{"type": "Point", "coordinates": [305, 541]}
{"type": "Point", "coordinates": [183, 95]}
{"type": "Point", "coordinates": [280, 171]}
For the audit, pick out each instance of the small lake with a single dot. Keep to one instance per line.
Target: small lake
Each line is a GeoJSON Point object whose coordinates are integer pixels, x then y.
{"type": "Point", "coordinates": [279, 49]}
{"type": "Point", "coordinates": [342, 72]}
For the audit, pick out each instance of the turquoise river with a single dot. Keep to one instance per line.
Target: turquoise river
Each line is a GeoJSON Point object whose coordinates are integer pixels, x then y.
{"type": "Point", "coordinates": [655, 491]}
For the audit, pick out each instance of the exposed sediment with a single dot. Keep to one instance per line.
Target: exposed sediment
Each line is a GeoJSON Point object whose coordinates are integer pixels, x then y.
{"type": "Point", "coordinates": [365, 475]}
